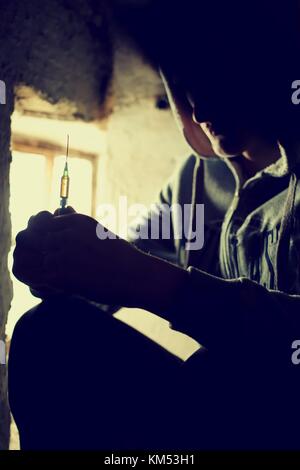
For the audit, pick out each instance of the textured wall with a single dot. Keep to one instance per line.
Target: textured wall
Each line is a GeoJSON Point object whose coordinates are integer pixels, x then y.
{"type": "Point", "coordinates": [62, 49]}
{"type": "Point", "coordinates": [5, 284]}
{"type": "Point", "coordinates": [143, 142]}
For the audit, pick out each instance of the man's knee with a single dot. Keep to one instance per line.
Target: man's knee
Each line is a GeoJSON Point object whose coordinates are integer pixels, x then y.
{"type": "Point", "coordinates": [49, 339]}
{"type": "Point", "coordinates": [51, 335]}
{"type": "Point", "coordinates": [55, 316]}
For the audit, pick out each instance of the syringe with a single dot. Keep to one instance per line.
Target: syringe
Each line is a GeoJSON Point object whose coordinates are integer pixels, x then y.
{"type": "Point", "coordinates": [65, 182]}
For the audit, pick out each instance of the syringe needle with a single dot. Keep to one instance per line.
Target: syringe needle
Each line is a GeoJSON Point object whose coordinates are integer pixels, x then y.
{"type": "Point", "coordinates": [67, 153]}
{"type": "Point", "coordinates": [65, 181]}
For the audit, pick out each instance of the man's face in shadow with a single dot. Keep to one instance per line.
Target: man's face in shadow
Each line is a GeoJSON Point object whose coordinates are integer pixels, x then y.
{"type": "Point", "coordinates": [214, 124]}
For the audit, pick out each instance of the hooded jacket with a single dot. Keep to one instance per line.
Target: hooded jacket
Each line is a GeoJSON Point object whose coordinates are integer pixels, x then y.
{"type": "Point", "coordinates": [244, 283]}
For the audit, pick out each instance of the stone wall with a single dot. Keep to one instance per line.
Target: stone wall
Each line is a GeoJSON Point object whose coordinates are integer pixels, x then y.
{"type": "Point", "coordinates": [144, 145]}
{"type": "Point", "coordinates": [5, 284]}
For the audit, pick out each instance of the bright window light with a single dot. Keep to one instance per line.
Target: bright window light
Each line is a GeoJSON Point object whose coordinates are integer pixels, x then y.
{"type": "Point", "coordinates": [27, 188]}
{"type": "Point", "coordinates": [35, 186]}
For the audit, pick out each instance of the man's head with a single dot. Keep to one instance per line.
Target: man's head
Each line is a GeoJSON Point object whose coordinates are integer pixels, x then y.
{"type": "Point", "coordinates": [212, 128]}
{"type": "Point", "coordinates": [227, 66]}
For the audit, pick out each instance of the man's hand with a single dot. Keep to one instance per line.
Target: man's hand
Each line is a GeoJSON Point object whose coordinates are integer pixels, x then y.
{"type": "Point", "coordinates": [63, 253]}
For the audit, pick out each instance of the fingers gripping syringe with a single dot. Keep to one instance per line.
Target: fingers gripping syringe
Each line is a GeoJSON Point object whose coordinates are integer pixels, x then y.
{"type": "Point", "coordinates": [65, 182]}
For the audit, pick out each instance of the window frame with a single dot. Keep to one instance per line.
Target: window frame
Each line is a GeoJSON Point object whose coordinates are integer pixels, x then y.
{"type": "Point", "coordinates": [50, 151]}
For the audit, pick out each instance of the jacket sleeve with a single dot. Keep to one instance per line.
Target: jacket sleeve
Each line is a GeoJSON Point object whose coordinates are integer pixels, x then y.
{"type": "Point", "coordinates": [237, 315]}
{"type": "Point", "coordinates": [153, 231]}
{"type": "Point", "coordinates": [158, 232]}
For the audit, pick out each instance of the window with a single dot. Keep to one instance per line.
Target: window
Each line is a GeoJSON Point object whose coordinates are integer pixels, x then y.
{"type": "Point", "coordinates": [35, 184]}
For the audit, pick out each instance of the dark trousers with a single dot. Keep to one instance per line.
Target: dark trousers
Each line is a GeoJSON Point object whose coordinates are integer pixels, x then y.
{"type": "Point", "coordinates": [80, 379]}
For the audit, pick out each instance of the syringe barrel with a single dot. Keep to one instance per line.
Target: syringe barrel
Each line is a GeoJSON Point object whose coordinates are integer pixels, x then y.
{"type": "Point", "coordinates": [64, 186]}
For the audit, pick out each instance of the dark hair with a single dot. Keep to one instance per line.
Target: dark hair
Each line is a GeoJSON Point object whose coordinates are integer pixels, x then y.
{"type": "Point", "coordinates": [252, 45]}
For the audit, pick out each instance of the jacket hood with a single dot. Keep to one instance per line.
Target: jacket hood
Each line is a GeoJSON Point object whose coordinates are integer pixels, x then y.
{"type": "Point", "coordinates": [290, 158]}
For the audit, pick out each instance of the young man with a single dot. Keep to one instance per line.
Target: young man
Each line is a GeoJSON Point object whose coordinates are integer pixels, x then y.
{"type": "Point", "coordinates": [238, 295]}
